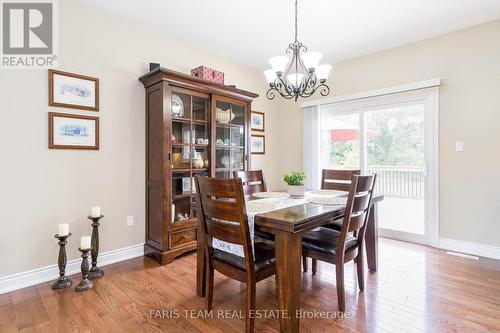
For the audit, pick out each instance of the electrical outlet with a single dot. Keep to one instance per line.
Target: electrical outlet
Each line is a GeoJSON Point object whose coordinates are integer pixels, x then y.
{"type": "Point", "coordinates": [130, 221]}
{"type": "Point", "coordinates": [459, 146]}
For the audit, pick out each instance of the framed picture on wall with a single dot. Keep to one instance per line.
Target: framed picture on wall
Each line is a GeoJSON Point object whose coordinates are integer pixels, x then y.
{"type": "Point", "coordinates": [257, 121]}
{"type": "Point", "coordinates": [73, 90]}
{"type": "Point", "coordinates": [71, 131]}
{"type": "Point", "coordinates": [258, 144]}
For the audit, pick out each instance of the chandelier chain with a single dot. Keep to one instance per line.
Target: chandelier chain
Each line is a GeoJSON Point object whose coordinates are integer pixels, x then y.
{"type": "Point", "coordinates": [296, 26]}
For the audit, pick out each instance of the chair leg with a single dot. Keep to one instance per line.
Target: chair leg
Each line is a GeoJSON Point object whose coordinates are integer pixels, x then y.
{"type": "Point", "coordinates": [339, 270]}
{"type": "Point", "coordinates": [314, 266]}
{"type": "Point", "coordinates": [304, 263]}
{"type": "Point", "coordinates": [250, 320]}
{"type": "Point", "coordinates": [360, 265]}
{"type": "Point", "coordinates": [209, 286]}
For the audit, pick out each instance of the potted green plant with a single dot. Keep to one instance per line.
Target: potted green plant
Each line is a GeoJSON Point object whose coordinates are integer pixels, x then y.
{"type": "Point", "coordinates": [295, 183]}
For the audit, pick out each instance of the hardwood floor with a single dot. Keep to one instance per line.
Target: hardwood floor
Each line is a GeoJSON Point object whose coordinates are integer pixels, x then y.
{"type": "Point", "coordinates": [417, 289]}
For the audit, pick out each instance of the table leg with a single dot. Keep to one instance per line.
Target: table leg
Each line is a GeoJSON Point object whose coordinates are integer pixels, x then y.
{"type": "Point", "coordinates": [200, 263]}
{"type": "Point", "coordinates": [288, 278]}
{"type": "Point", "coordinates": [371, 239]}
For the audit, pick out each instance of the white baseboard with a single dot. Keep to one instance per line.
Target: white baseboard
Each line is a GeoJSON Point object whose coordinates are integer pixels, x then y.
{"type": "Point", "coordinates": [44, 274]}
{"type": "Point", "coordinates": [481, 250]}
{"type": "Point", "coordinates": [48, 273]}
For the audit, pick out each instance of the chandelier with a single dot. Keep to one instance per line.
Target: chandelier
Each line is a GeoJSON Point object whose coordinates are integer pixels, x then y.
{"type": "Point", "coordinates": [299, 75]}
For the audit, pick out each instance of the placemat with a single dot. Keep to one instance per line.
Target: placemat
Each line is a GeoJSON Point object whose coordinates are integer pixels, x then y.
{"type": "Point", "coordinates": [271, 195]}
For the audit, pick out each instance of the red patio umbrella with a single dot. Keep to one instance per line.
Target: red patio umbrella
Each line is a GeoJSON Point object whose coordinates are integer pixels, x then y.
{"type": "Point", "coordinates": [342, 131]}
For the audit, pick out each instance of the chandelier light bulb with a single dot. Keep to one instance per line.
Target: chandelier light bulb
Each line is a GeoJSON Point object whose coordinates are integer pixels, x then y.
{"type": "Point", "coordinates": [279, 63]}
{"type": "Point", "coordinates": [295, 79]}
{"type": "Point", "coordinates": [322, 71]}
{"type": "Point", "coordinates": [311, 59]}
{"type": "Point", "coordinates": [270, 75]}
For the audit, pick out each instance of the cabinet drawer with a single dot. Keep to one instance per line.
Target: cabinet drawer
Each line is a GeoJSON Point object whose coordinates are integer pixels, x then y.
{"type": "Point", "coordinates": [179, 238]}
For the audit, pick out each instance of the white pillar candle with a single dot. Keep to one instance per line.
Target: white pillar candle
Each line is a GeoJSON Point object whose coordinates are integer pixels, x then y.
{"type": "Point", "coordinates": [63, 229]}
{"type": "Point", "coordinates": [96, 212]}
{"type": "Point", "coordinates": [85, 242]}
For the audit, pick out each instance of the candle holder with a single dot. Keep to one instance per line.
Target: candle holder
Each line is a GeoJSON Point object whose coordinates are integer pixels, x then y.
{"type": "Point", "coordinates": [85, 284]}
{"type": "Point", "coordinates": [95, 272]}
{"type": "Point", "coordinates": [63, 281]}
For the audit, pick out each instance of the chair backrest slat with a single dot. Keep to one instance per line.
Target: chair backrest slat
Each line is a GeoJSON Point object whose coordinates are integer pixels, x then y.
{"type": "Point", "coordinates": [220, 190]}
{"type": "Point", "coordinates": [357, 221]}
{"type": "Point", "coordinates": [339, 180]}
{"type": "Point", "coordinates": [361, 202]}
{"type": "Point", "coordinates": [225, 231]}
{"type": "Point", "coordinates": [253, 181]}
{"type": "Point", "coordinates": [365, 184]}
{"type": "Point", "coordinates": [222, 210]}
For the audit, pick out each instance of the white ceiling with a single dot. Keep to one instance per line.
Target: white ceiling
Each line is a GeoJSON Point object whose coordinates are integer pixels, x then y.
{"type": "Point", "coordinates": [251, 31]}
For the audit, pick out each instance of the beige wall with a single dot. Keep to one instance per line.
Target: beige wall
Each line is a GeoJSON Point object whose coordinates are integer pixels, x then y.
{"type": "Point", "coordinates": [41, 188]}
{"type": "Point", "coordinates": [468, 63]}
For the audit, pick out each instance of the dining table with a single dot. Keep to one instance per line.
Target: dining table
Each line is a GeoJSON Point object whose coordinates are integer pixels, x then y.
{"type": "Point", "coordinates": [288, 219]}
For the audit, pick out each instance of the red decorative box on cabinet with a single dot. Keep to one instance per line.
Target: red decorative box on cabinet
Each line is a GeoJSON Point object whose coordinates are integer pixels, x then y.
{"type": "Point", "coordinates": [208, 74]}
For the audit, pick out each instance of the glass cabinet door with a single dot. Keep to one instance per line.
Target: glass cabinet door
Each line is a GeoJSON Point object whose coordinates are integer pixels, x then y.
{"type": "Point", "coordinates": [190, 149]}
{"type": "Point", "coordinates": [231, 137]}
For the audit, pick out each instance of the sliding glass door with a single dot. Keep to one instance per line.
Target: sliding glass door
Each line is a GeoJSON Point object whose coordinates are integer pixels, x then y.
{"type": "Point", "coordinates": [395, 147]}
{"type": "Point", "coordinates": [394, 136]}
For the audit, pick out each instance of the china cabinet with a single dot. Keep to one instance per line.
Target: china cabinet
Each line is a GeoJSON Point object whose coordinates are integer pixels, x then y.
{"type": "Point", "coordinates": [193, 127]}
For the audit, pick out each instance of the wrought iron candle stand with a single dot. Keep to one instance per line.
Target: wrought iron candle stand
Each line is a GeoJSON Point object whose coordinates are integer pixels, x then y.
{"type": "Point", "coordinates": [85, 284]}
{"type": "Point", "coordinates": [63, 281]}
{"type": "Point", "coordinates": [95, 272]}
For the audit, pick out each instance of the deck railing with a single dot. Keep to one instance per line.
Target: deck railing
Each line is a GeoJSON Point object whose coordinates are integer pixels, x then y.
{"type": "Point", "coordinates": [399, 181]}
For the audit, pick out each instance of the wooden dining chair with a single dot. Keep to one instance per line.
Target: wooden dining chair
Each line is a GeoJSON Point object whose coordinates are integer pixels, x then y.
{"type": "Point", "coordinates": [340, 247]}
{"type": "Point", "coordinates": [223, 216]}
{"type": "Point", "coordinates": [253, 181]}
{"type": "Point", "coordinates": [333, 179]}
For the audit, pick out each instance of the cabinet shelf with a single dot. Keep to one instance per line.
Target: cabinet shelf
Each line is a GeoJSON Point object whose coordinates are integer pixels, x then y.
{"type": "Point", "coordinates": [180, 170]}
{"type": "Point", "coordinates": [181, 120]}
{"type": "Point", "coordinates": [185, 170]}
{"type": "Point", "coordinates": [189, 120]}
{"type": "Point", "coordinates": [182, 195]}
{"type": "Point", "coordinates": [228, 125]}
{"type": "Point", "coordinates": [182, 145]}
{"type": "Point", "coordinates": [228, 169]}
{"type": "Point", "coordinates": [228, 147]}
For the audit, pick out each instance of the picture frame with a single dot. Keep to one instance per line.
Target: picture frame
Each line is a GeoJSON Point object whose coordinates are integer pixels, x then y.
{"type": "Point", "coordinates": [258, 144]}
{"type": "Point", "coordinates": [257, 121]}
{"type": "Point", "coordinates": [71, 131]}
{"type": "Point", "coordinates": [74, 91]}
